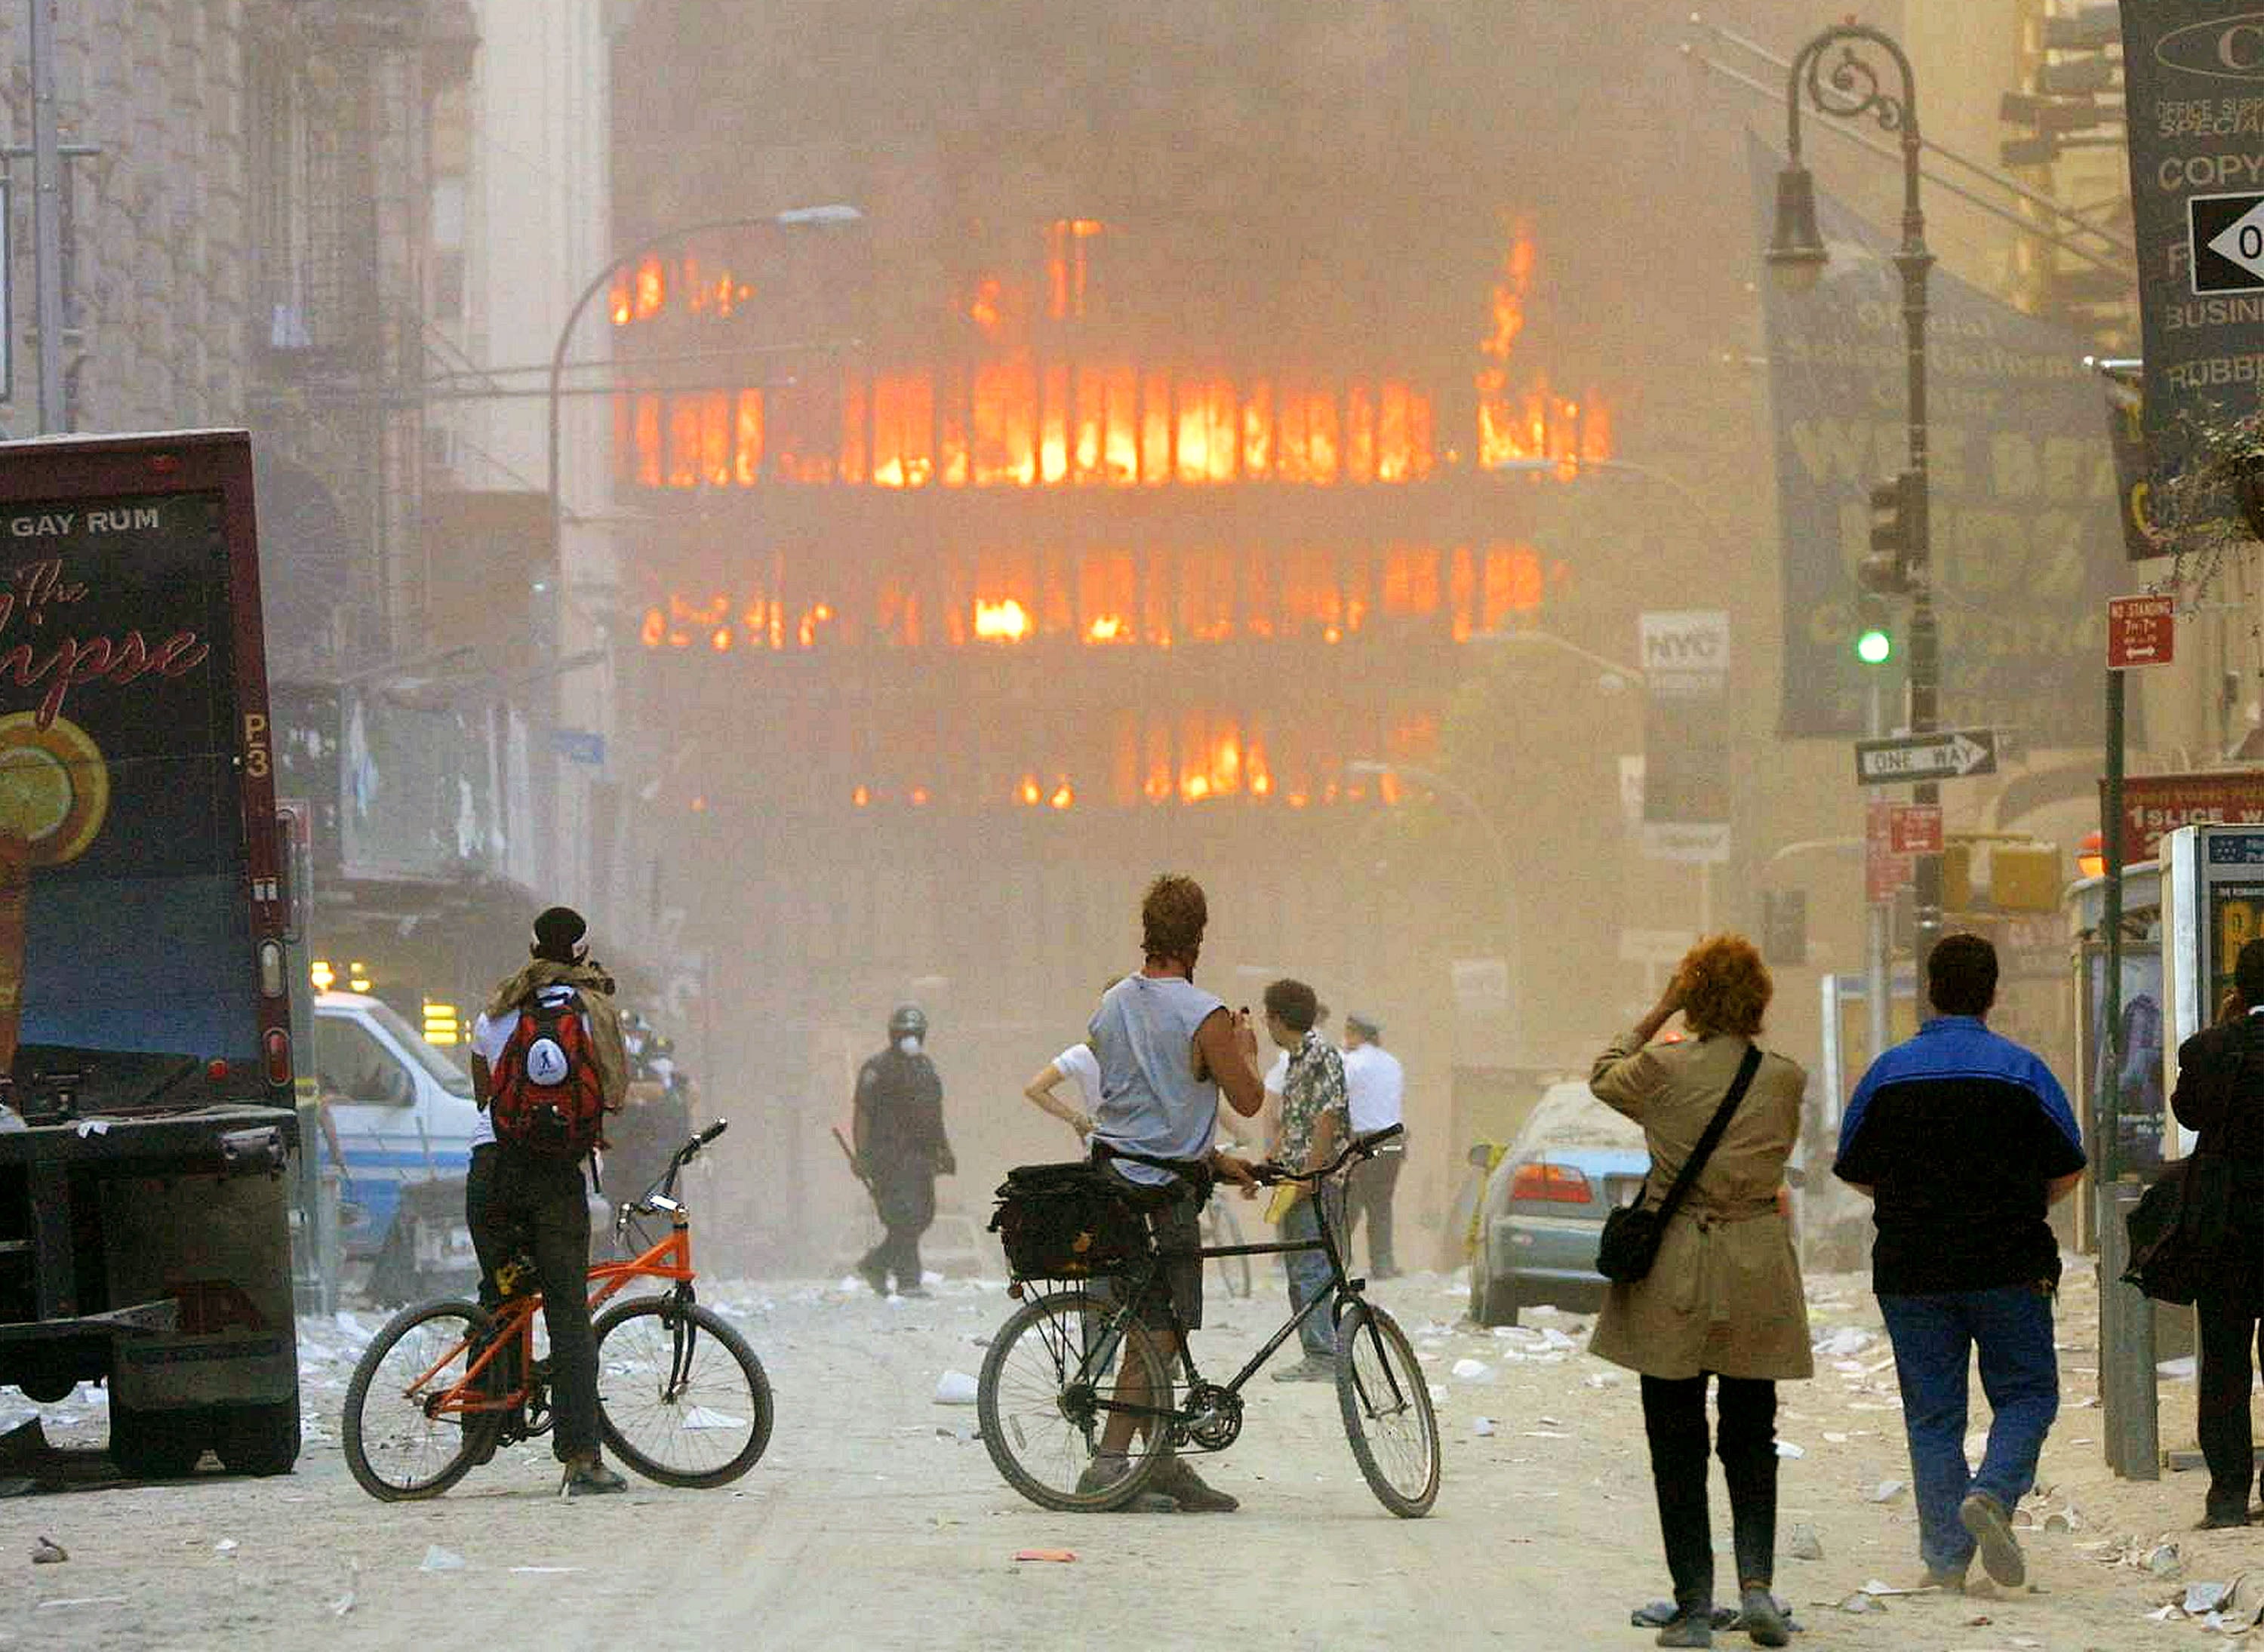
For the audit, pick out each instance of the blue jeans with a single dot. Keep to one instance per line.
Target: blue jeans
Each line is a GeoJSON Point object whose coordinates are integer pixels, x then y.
{"type": "Point", "coordinates": [1308, 1278]}
{"type": "Point", "coordinates": [2010, 1326]}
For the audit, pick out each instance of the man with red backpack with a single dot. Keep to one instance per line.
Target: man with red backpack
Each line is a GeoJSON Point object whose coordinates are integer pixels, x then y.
{"type": "Point", "coordinates": [547, 1066]}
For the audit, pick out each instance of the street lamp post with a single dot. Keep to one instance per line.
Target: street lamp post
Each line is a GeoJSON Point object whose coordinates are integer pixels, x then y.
{"type": "Point", "coordinates": [1851, 88]}
{"type": "Point", "coordinates": [795, 217]}
{"type": "Point", "coordinates": [1504, 866]}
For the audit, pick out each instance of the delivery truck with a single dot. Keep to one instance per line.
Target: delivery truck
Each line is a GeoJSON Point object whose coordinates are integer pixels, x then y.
{"type": "Point", "coordinates": [145, 1044]}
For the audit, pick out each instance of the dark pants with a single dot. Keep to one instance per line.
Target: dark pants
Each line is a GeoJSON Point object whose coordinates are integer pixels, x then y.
{"type": "Point", "coordinates": [905, 1202]}
{"type": "Point", "coordinates": [517, 1200]}
{"type": "Point", "coordinates": [2228, 1326]}
{"type": "Point", "coordinates": [1674, 1418]}
{"type": "Point", "coordinates": [1935, 1336]}
{"type": "Point", "coordinates": [1367, 1191]}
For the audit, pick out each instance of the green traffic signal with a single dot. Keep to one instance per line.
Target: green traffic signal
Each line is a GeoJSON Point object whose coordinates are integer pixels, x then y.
{"type": "Point", "coordinates": [1875, 645]}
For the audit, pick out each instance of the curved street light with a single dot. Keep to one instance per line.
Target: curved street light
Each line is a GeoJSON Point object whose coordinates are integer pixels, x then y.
{"type": "Point", "coordinates": [1851, 88]}
{"type": "Point", "coordinates": [1503, 865]}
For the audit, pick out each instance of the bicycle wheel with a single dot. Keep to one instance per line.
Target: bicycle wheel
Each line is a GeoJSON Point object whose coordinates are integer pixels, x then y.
{"type": "Point", "coordinates": [396, 1447]}
{"type": "Point", "coordinates": [681, 1398]}
{"type": "Point", "coordinates": [1387, 1411]}
{"type": "Point", "coordinates": [1223, 1229]}
{"type": "Point", "coordinates": [1042, 1412]}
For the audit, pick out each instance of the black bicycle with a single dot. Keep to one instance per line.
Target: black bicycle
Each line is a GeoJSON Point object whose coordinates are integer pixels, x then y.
{"type": "Point", "coordinates": [1076, 1372]}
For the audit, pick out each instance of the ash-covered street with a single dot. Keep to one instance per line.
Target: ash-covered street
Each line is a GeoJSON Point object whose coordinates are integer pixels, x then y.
{"type": "Point", "coordinates": [877, 1520]}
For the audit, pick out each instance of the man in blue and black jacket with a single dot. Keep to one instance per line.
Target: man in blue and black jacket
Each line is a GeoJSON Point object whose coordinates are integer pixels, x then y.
{"type": "Point", "coordinates": [1964, 1141]}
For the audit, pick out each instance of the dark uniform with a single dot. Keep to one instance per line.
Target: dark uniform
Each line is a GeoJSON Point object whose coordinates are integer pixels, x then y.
{"type": "Point", "coordinates": [901, 1150]}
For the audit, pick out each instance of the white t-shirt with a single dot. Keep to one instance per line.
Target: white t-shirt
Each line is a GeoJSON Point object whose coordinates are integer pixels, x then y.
{"type": "Point", "coordinates": [1375, 1086]}
{"type": "Point", "coordinates": [1079, 1061]}
{"type": "Point", "coordinates": [1277, 1076]}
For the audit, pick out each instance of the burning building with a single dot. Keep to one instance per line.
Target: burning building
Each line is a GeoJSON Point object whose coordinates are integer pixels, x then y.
{"type": "Point", "coordinates": [1033, 533]}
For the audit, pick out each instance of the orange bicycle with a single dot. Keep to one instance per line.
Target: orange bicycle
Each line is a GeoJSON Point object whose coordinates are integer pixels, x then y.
{"type": "Point", "coordinates": [681, 1398]}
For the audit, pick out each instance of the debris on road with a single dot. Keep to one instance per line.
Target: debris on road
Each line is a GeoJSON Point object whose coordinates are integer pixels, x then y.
{"type": "Point", "coordinates": [1467, 1370]}
{"type": "Point", "coordinates": [1886, 1491]}
{"type": "Point", "coordinates": [1803, 1544]}
{"type": "Point", "coordinates": [1045, 1554]}
{"type": "Point", "coordinates": [954, 1388]}
{"type": "Point", "coordinates": [47, 1552]}
{"type": "Point", "coordinates": [344, 1603]}
{"type": "Point", "coordinates": [1482, 1426]}
{"type": "Point", "coordinates": [439, 1559]}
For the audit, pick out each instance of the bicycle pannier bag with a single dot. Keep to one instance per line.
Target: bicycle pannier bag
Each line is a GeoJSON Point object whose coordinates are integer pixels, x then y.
{"type": "Point", "coordinates": [545, 1094]}
{"type": "Point", "coordinates": [1065, 1221]}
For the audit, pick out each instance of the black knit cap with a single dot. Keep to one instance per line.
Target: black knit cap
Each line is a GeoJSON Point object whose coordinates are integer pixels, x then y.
{"type": "Point", "coordinates": [557, 933]}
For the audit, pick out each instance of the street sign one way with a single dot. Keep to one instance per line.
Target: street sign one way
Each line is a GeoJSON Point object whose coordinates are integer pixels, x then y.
{"type": "Point", "coordinates": [1948, 754]}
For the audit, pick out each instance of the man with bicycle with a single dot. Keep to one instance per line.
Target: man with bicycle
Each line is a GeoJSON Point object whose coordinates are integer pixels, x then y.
{"type": "Point", "coordinates": [526, 1192]}
{"type": "Point", "coordinates": [1167, 1051]}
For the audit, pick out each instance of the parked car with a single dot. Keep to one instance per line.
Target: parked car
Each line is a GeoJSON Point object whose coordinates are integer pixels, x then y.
{"type": "Point", "coordinates": [398, 1113]}
{"type": "Point", "coordinates": [1543, 1207]}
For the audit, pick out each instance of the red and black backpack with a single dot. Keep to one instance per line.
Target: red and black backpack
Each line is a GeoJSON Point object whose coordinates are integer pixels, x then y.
{"type": "Point", "coordinates": [545, 1094]}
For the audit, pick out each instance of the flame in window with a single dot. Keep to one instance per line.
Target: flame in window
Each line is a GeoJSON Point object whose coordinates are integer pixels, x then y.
{"type": "Point", "coordinates": [1004, 622]}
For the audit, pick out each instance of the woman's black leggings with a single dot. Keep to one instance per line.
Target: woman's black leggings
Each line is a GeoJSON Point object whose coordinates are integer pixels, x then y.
{"type": "Point", "coordinates": [1674, 1418]}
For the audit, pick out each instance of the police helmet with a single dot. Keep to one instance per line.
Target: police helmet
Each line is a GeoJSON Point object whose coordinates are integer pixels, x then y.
{"type": "Point", "coordinates": [909, 1020]}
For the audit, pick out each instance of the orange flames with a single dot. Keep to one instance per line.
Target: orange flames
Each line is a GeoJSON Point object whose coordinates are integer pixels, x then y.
{"type": "Point", "coordinates": [1160, 599]}
{"type": "Point", "coordinates": [1532, 423]}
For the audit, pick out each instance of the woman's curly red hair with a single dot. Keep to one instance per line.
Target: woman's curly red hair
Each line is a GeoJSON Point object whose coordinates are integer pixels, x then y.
{"type": "Point", "coordinates": [1725, 987]}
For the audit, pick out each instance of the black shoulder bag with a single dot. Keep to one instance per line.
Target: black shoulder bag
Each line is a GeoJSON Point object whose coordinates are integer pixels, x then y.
{"type": "Point", "coordinates": [2177, 1227]}
{"type": "Point", "coordinates": [1631, 1233]}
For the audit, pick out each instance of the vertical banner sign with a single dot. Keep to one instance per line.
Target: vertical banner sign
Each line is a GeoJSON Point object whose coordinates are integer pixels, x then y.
{"type": "Point", "coordinates": [2126, 434]}
{"type": "Point", "coordinates": [1685, 735]}
{"type": "Point", "coordinates": [2026, 537]}
{"type": "Point", "coordinates": [2193, 75]}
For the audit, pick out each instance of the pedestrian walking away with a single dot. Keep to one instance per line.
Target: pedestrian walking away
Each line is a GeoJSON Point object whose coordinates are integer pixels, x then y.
{"type": "Point", "coordinates": [901, 1150]}
{"type": "Point", "coordinates": [1168, 1051]}
{"type": "Point", "coordinates": [1375, 1090]}
{"type": "Point", "coordinates": [1314, 1119]}
{"type": "Point", "coordinates": [548, 1064]}
{"type": "Point", "coordinates": [1722, 1298]}
{"type": "Point", "coordinates": [1963, 1140]}
{"type": "Point", "coordinates": [2220, 1094]}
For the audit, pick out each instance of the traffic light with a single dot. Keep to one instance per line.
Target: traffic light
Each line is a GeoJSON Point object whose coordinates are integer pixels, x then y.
{"type": "Point", "coordinates": [1875, 638]}
{"type": "Point", "coordinates": [1885, 570]}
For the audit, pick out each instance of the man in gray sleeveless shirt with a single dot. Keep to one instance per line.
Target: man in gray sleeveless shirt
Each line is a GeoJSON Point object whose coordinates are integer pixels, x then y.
{"type": "Point", "coordinates": [1167, 1051]}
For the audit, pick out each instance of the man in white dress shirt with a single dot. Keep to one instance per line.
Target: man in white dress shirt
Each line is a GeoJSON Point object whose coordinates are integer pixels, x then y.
{"type": "Point", "coordinates": [1377, 1087]}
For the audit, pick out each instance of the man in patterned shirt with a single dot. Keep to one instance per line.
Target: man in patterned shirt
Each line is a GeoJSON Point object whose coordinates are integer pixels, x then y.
{"type": "Point", "coordinates": [1314, 1119]}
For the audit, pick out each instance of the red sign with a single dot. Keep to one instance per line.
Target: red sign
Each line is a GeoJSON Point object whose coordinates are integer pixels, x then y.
{"type": "Point", "coordinates": [2140, 631]}
{"type": "Point", "coordinates": [1915, 829]}
{"type": "Point", "coordinates": [2153, 804]}
{"type": "Point", "coordinates": [1884, 870]}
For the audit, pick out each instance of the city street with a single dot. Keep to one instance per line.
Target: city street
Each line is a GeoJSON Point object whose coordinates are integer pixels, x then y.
{"type": "Point", "coordinates": [877, 1520]}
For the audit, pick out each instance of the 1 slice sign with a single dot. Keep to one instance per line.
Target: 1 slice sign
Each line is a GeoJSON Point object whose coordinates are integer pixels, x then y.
{"type": "Point", "coordinates": [2140, 631]}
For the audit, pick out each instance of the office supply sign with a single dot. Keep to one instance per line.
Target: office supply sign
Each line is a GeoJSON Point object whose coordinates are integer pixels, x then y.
{"type": "Point", "coordinates": [2194, 96]}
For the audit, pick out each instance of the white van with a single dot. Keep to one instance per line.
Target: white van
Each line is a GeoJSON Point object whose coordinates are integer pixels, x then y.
{"type": "Point", "coordinates": [398, 1114]}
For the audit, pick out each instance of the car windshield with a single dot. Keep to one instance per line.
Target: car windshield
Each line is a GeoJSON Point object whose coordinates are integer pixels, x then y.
{"type": "Point", "coordinates": [1567, 1117]}
{"type": "Point", "coordinates": [453, 1078]}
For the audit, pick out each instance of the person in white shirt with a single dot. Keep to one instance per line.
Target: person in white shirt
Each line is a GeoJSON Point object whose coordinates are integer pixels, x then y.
{"type": "Point", "coordinates": [1078, 1068]}
{"type": "Point", "coordinates": [1376, 1088]}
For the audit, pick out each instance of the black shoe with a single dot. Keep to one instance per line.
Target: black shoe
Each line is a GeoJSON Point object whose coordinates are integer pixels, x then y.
{"type": "Point", "coordinates": [2220, 1519]}
{"type": "Point", "coordinates": [1761, 1620]}
{"type": "Point", "coordinates": [1692, 1628]}
{"type": "Point", "coordinates": [1985, 1518]}
{"type": "Point", "coordinates": [589, 1478]}
{"type": "Point", "coordinates": [877, 1278]}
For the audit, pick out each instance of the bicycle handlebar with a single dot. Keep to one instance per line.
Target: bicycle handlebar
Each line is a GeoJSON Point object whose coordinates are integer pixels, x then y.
{"type": "Point", "coordinates": [683, 1155]}
{"type": "Point", "coordinates": [1359, 1147]}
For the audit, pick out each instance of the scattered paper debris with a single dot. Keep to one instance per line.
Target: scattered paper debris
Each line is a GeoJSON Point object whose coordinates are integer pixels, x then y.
{"type": "Point", "coordinates": [439, 1559]}
{"type": "Point", "coordinates": [1467, 1370]}
{"type": "Point", "coordinates": [47, 1552]}
{"type": "Point", "coordinates": [1045, 1554]}
{"type": "Point", "coordinates": [1886, 1491]}
{"type": "Point", "coordinates": [1860, 1602]}
{"type": "Point", "coordinates": [954, 1388]}
{"type": "Point", "coordinates": [1545, 1433]}
{"type": "Point", "coordinates": [2164, 1560]}
{"type": "Point", "coordinates": [344, 1603]}
{"type": "Point", "coordinates": [1786, 1448]}
{"type": "Point", "coordinates": [1482, 1426]}
{"type": "Point", "coordinates": [2178, 1370]}
{"type": "Point", "coordinates": [84, 1600]}
{"type": "Point", "coordinates": [225, 1548]}
{"type": "Point", "coordinates": [1803, 1544]}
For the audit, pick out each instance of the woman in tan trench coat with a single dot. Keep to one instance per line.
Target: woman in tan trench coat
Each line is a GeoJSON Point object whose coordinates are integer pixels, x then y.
{"type": "Point", "coordinates": [1723, 1299]}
